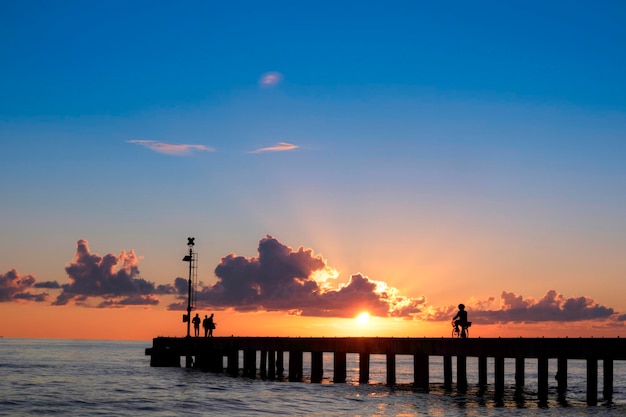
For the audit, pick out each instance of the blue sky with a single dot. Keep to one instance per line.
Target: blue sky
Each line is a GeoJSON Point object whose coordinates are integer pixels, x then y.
{"type": "Point", "coordinates": [113, 58]}
{"type": "Point", "coordinates": [450, 142]}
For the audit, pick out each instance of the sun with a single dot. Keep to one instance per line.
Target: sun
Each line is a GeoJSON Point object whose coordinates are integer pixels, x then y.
{"type": "Point", "coordinates": [363, 318]}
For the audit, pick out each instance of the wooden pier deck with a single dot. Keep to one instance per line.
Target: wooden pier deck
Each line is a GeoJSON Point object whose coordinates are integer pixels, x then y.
{"type": "Point", "coordinates": [209, 353]}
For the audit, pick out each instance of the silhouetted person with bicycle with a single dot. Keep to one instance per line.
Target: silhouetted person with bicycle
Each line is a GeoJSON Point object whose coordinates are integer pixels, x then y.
{"type": "Point", "coordinates": [211, 325]}
{"type": "Point", "coordinates": [461, 320]}
{"type": "Point", "coordinates": [208, 325]}
{"type": "Point", "coordinates": [205, 325]}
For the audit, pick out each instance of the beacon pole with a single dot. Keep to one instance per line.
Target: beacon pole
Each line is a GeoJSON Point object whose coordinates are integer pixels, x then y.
{"type": "Point", "coordinates": [189, 258]}
{"type": "Point", "coordinates": [187, 318]}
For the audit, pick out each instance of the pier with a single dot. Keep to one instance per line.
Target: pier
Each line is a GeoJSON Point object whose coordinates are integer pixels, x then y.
{"type": "Point", "coordinates": [209, 354]}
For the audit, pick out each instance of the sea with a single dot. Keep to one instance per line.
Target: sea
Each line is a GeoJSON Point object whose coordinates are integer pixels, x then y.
{"type": "Point", "coordinates": [114, 378]}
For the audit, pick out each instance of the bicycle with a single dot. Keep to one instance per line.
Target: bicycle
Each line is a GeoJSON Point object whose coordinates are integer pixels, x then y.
{"type": "Point", "coordinates": [461, 331]}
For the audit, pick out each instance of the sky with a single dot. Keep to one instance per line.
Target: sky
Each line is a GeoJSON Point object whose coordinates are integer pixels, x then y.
{"type": "Point", "coordinates": [329, 158]}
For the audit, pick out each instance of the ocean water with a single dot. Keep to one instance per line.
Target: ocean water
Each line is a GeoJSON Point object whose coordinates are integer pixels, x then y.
{"type": "Point", "coordinates": [114, 378]}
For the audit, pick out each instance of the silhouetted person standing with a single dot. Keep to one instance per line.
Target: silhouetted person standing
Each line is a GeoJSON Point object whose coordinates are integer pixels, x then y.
{"type": "Point", "coordinates": [205, 325]}
{"type": "Point", "coordinates": [196, 325]}
{"type": "Point", "coordinates": [211, 325]}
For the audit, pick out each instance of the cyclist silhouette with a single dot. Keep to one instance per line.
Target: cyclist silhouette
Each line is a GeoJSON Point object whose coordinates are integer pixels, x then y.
{"type": "Point", "coordinates": [460, 319]}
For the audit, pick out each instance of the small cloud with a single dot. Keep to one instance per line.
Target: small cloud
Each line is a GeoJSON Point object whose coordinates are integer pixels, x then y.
{"type": "Point", "coordinates": [47, 284]}
{"type": "Point", "coordinates": [279, 147]}
{"type": "Point", "coordinates": [32, 297]}
{"type": "Point", "coordinates": [172, 148]}
{"type": "Point", "coordinates": [133, 300]}
{"type": "Point", "coordinates": [270, 79]}
{"type": "Point", "coordinates": [14, 286]}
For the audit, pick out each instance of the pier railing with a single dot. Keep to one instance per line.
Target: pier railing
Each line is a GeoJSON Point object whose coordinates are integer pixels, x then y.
{"type": "Point", "coordinates": [209, 353]}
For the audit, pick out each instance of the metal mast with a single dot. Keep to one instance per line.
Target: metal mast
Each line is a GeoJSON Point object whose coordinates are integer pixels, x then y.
{"type": "Point", "coordinates": [193, 281]}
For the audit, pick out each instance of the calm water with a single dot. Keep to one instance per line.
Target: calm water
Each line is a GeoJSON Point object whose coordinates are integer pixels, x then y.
{"type": "Point", "coordinates": [106, 378]}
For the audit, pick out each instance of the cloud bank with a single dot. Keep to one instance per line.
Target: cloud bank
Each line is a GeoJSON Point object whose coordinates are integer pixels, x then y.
{"type": "Point", "coordinates": [279, 278]}
{"type": "Point", "coordinates": [296, 281]}
{"type": "Point", "coordinates": [279, 147]}
{"type": "Point", "coordinates": [115, 279]}
{"type": "Point", "coordinates": [514, 308]}
{"type": "Point", "coordinates": [171, 148]}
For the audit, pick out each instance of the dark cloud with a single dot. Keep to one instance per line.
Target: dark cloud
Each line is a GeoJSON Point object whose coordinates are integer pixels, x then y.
{"type": "Point", "coordinates": [47, 284]}
{"type": "Point", "coordinates": [114, 278]}
{"type": "Point", "coordinates": [517, 309]}
{"type": "Point", "coordinates": [15, 287]}
{"type": "Point", "coordinates": [128, 301]}
{"type": "Point", "coordinates": [181, 286]}
{"type": "Point", "coordinates": [296, 281]}
{"type": "Point", "coordinates": [166, 289]}
{"type": "Point", "coordinates": [32, 297]}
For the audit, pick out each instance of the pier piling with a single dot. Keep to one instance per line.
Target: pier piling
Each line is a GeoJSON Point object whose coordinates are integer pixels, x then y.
{"type": "Point", "coordinates": [421, 372]}
{"type": "Point", "coordinates": [592, 381]}
{"type": "Point", "coordinates": [461, 373]}
{"type": "Point", "coordinates": [482, 372]}
{"type": "Point", "coordinates": [561, 375]}
{"type": "Point", "coordinates": [391, 368]}
{"type": "Point", "coordinates": [364, 367]}
{"type": "Point", "coordinates": [339, 367]}
{"type": "Point", "coordinates": [317, 366]}
{"type": "Point", "coordinates": [499, 375]}
{"type": "Point", "coordinates": [263, 365]}
{"type": "Point", "coordinates": [520, 372]}
{"type": "Point", "coordinates": [295, 365]}
{"type": "Point", "coordinates": [607, 369]}
{"type": "Point", "coordinates": [542, 378]}
{"type": "Point", "coordinates": [447, 371]}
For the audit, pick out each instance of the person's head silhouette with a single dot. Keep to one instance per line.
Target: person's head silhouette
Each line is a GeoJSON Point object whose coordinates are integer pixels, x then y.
{"type": "Point", "coordinates": [461, 306]}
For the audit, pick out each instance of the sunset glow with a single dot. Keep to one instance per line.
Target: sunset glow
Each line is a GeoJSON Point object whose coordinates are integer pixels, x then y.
{"type": "Point", "coordinates": [363, 318]}
{"type": "Point", "coordinates": [444, 159]}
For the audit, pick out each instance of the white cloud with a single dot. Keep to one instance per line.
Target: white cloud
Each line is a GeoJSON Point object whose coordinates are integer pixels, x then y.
{"type": "Point", "coordinates": [270, 79]}
{"type": "Point", "coordinates": [171, 148]}
{"type": "Point", "coordinates": [279, 147]}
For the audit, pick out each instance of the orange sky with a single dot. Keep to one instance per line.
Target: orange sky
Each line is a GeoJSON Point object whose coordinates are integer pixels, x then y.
{"type": "Point", "coordinates": [133, 323]}
{"type": "Point", "coordinates": [282, 291]}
